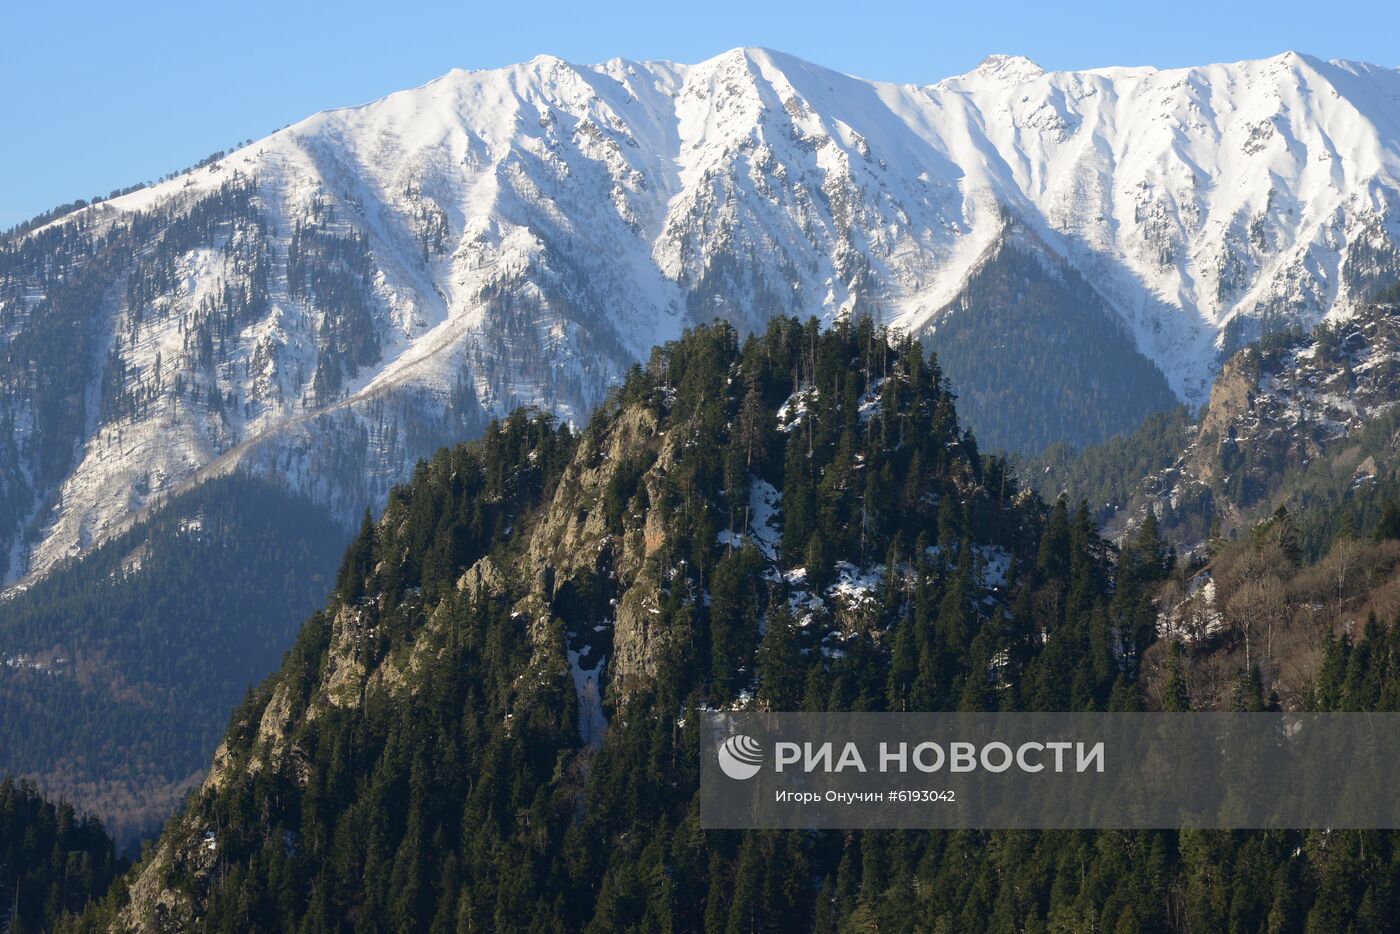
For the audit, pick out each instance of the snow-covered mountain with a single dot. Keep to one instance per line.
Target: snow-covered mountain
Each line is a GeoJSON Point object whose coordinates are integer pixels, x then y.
{"type": "Point", "coordinates": [330, 303]}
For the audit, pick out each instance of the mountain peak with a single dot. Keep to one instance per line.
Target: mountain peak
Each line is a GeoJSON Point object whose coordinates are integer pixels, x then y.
{"type": "Point", "coordinates": [750, 56]}
{"type": "Point", "coordinates": [1007, 69]}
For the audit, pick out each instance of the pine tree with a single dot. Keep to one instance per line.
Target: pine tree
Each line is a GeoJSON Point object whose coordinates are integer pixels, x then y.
{"type": "Point", "coordinates": [359, 563]}
{"type": "Point", "coordinates": [1388, 525]}
{"type": "Point", "coordinates": [735, 606]}
{"type": "Point", "coordinates": [780, 661]}
{"type": "Point", "coordinates": [1175, 697]}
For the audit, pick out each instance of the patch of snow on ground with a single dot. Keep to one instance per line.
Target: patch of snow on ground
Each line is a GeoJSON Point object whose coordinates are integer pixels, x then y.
{"type": "Point", "coordinates": [996, 565]}
{"type": "Point", "coordinates": [592, 724]}
{"type": "Point", "coordinates": [792, 410]}
{"type": "Point", "coordinates": [763, 507]}
{"type": "Point", "coordinates": [729, 538]}
{"type": "Point", "coordinates": [1196, 616]}
{"type": "Point", "coordinates": [856, 586]}
{"type": "Point", "coordinates": [870, 402]}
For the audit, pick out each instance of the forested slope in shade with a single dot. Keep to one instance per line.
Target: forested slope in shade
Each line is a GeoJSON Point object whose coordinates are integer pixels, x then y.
{"type": "Point", "coordinates": [1038, 358]}
{"type": "Point", "coordinates": [51, 860]}
{"type": "Point", "coordinates": [1107, 475]}
{"type": "Point", "coordinates": [118, 670]}
{"type": "Point", "coordinates": [728, 530]}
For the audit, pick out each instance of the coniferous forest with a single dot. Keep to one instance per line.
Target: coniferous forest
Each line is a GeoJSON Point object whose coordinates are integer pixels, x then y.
{"type": "Point", "coordinates": [797, 521]}
{"type": "Point", "coordinates": [1019, 340]}
{"type": "Point", "coordinates": [51, 860]}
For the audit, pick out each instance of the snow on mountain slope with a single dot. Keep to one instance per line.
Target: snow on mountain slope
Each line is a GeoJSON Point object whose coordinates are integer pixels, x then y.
{"type": "Point", "coordinates": [522, 235]}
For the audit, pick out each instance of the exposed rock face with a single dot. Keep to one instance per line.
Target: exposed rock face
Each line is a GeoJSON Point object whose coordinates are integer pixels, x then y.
{"type": "Point", "coordinates": [1231, 398]}
{"type": "Point", "coordinates": [638, 643]}
{"type": "Point", "coordinates": [574, 535]}
{"type": "Point", "coordinates": [345, 672]}
{"type": "Point", "coordinates": [570, 538]}
{"type": "Point", "coordinates": [1322, 404]}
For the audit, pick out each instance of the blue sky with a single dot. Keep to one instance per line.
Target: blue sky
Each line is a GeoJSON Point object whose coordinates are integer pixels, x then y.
{"type": "Point", "coordinates": [96, 96]}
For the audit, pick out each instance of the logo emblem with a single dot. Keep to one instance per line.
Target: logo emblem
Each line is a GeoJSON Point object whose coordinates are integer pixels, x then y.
{"type": "Point", "coordinates": [740, 756]}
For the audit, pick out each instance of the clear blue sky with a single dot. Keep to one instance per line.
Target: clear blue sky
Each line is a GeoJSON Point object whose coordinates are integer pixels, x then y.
{"type": "Point", "coordinates": [94, 96]}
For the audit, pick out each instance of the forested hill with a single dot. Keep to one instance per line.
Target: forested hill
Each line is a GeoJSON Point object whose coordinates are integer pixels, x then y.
{"type": "Point", "coordinates": [492, 725]}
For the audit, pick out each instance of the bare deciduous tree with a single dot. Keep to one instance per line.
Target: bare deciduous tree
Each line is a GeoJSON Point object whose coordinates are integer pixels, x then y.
{"type": "Point", "coordinates": [1343, 566]}
{"type": "Point", "coordinates": [1256, 605]}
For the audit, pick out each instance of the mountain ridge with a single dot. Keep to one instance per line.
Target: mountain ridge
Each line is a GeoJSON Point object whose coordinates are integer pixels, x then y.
{"type": "Point", "coordinates": [523, 235]}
